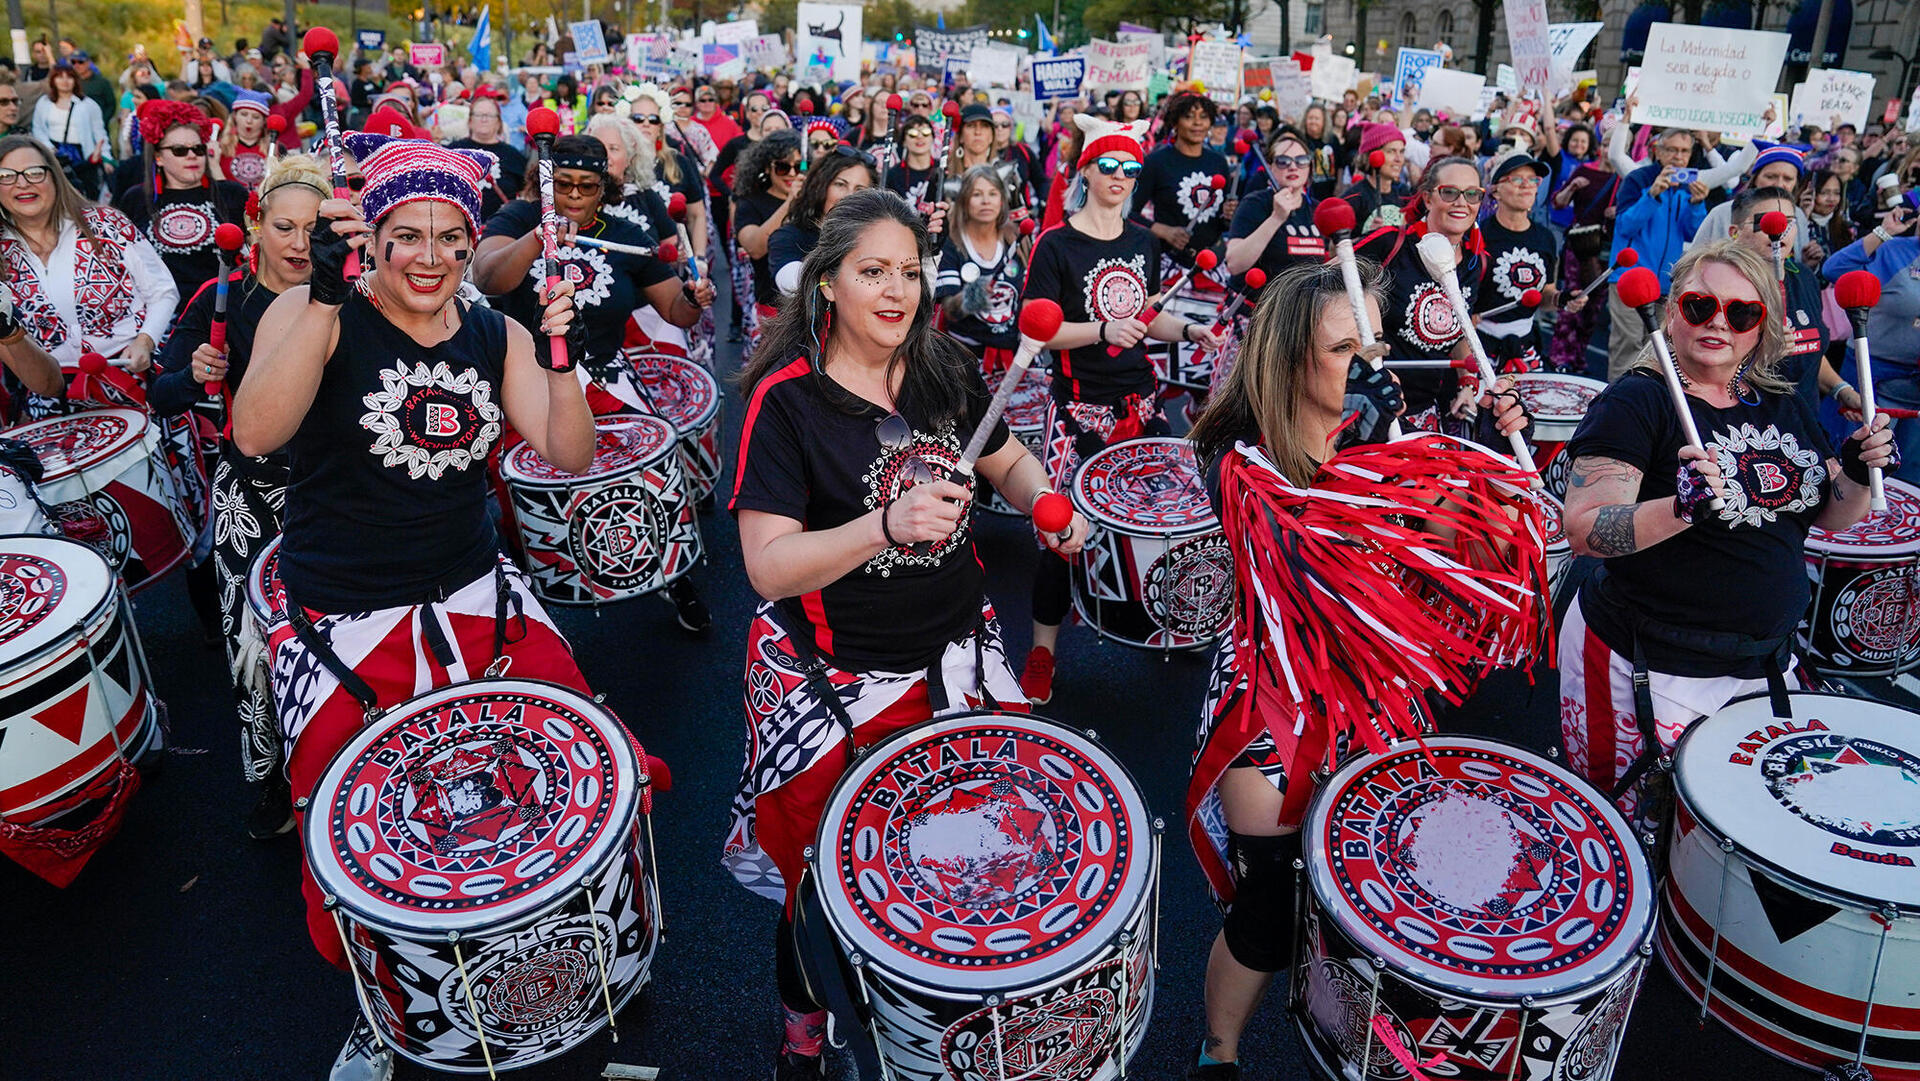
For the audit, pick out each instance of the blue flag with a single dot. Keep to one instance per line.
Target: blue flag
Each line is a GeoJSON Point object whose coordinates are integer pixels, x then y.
{"type": "Point", "coordinates": [481, 48]}
{"type": "Point", "coordinates": [1046, 39]}
{"type": "Point", "coordinates": [940, 20]}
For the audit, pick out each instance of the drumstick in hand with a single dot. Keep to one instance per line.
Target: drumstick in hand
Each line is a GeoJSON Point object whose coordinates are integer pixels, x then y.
{"type": "Point", "coordinates": [228, 239]}
{"type": "Point", "coordinates": [1627, 258]}
{"type": "Point", "coordinates": [677, 210]}
{"type": "Point", "coordinates": [544, 124]}
{"type": "Point", "coordinates": [1334, 218]}
{"type": "Point", "coordinates": [1639, 289]}
{"type": "Point", "coordinates": [1204, 261]}
{"type": "Point", "coordinates": [1039, 322]}
{"type": "Point", "coordinates": [1529, 299]}
{"type": "Point", "coordinates": [322, 45]}
{"type": "Point", "coordinates": [1858, 291]}
{"type": "Point", "coordinates": [1436, 254]}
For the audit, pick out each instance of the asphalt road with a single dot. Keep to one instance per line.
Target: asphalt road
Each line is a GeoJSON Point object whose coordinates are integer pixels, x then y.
{"type": "Point", "coordinates": [181, 952]}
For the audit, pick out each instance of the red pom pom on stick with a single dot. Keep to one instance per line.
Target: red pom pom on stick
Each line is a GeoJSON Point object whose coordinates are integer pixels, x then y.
{"type": "Point", "coordinates": [93, 363]}
{"type": "Point", "coordinates": [1857, 289]}
{"type": "Point", "coordinates": [1531, 298]}
{"type": "Point", "coordinates": [1333, 216]}
{"type": "Point", "coordinates": [1628, 257]}
{"type": "Point", "coordinates": [229, 237]}
{"type": "Point", "coordinates": [1773, 223]}
{"type": "Point", "coordinates": [542, 121]}
{"type": "Point", "coordinates": [677, 206]}
{"type": "Point", "coordinates": [1040, 319]}
{"type": "Point", "coordinates": [1256, 278]}
{"type": "Point", "coordinates": [1052, 512]}
{"type": "Point", "coordinates": [321, 40]}
{"type": "Point", "coordinates": [1206, 260]}
{"type": "Point", "coordinates": [1639, 287]}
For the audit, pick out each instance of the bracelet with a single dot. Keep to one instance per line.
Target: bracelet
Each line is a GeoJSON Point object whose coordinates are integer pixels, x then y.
{"type": "Point", "coordinates": [1844, 386]}
{"type": "Point", "coordinates": [884, 531]}
{"type": "Point", "coordinates": [1043, 489]}
{"type": "Point", "coordinates": [1881, 232]}
{"type": "Point", "coordinates": [1103, 332]}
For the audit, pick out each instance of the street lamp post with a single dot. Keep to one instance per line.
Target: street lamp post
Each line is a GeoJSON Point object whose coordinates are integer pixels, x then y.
{"type": "Point", "coordinates": [1906, 66]}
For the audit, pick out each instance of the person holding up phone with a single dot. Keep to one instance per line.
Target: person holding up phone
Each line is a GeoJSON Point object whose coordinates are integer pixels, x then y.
{"type": "Point", "coordinates": [1657, 216]}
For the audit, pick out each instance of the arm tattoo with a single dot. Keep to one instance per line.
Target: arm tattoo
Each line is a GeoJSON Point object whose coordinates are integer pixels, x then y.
{"type": "Point", "coordinates": [1588, 471]}
{"type": "Point", "coordinates": [1612, 533]}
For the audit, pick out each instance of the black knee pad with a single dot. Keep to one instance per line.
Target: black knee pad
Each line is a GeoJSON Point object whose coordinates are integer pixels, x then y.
{"type": "Point", "coordinates": [1259, 925]}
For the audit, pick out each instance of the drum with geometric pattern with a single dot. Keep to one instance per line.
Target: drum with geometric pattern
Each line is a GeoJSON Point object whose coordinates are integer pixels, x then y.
{"type": "Point", "coordinates": [481, 850]}
{"type": "Point", "coordinates": [1791, 901]}
{"type": "Point", "coordinates": [113, 460]}
{"type": "Point", "coordinates": [75, 701]}
{"type": "Point", "coordinates": [1471, 908]}
{"type": "Point", "coordinates": [989, 880]}
{"type": "Point", "coordinates": [688, 396]}
{"type": "Point", "coordinates": [1559, 550]}
{"type": "Point", "coordinates": [623, 529]}
{"type": "Point", "coordinates": [1557, 404]}
{"type": "Point", "coordinates": [1156, 571]}
{"type": "Point", "coordinates": [1026, 418]}
{"type": "Point", "coordinates": [1865, 613]}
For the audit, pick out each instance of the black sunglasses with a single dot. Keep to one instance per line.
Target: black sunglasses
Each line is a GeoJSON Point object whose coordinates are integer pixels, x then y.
{"type": "Point", "coordinates": [1742, 315]}
{"type": "Point", "coordinates": [1110, 166]}
{"type": "Point", "coordinates": [198, 150]}
{"type": "Point", "coordinates": [846, 150]}
{"type": "Point", "coordinates": [784, 168]}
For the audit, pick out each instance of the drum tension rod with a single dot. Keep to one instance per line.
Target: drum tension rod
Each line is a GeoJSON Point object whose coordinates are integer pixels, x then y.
{"type": "Point", "coordinates": [1719, 915]}
{"type": "Point", "coordinates": [1884, 918]}
{"type": "Point", "coordinates": [600, 955]}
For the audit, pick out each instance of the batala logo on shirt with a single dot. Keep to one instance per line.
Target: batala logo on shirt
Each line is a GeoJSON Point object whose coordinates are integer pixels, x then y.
{"type": "Point", "coordinates": [431, 420]}
{"type": "Point", "coordinates": [1198, 198]}
{"type": "Point", "coordinates": [586, 268]}
{"type": "Point", "coordinates": [1769, 473]}
{"type": "Point", "coordinates": [1116, 289]}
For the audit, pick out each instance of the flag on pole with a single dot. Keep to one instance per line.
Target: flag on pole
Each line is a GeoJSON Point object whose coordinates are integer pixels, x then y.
{"type": "Point", "coordinates": [940, 19]}
{"type": "Point", "coordinates": [1046, 39]}
{"type": "Point", "coordinates": [482, 47]}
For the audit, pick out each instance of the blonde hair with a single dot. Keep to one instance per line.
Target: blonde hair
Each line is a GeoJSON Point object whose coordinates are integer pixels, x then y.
{"type": "Point", "coordinates": [304, 170]}
{"type": "Point", "coordinates": [1762, 367]}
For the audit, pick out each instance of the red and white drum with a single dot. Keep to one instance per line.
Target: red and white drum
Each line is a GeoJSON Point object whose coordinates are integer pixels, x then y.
{"type": "Point", "coordinates": [623, 529]}
{"type": "Point", "coordinates": [1865, 619]}
{"type": "Point", "coordinates": [688, 396]}
{"type": "Point", "coordinates": [76, 703]}
{"type": "Point", "coordinates": [1559, 550]}
{"type": "Point", "coordinates": [1790, 903]}
{"type": "Point", "coordinates": [480, 849]}
{"type": "Point", "coordinates": [991, 881]}
{"type": "Point", "coordinates": [1185, 366]}
{"type": "Point", "coordinates": [1558, 403]}
{"type": "Point", "coordinates": [1478, 903]}
{"type": "Point", "coordinates": [1026, 418]}
{"type": "Point", "coordinates": [1156, 571]}
{"type": "Point", "coordinates": [266, 610]}
{"type": "Point", "coordinates": [113, 459]}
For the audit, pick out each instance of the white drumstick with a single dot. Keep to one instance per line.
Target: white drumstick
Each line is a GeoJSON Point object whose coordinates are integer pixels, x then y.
{"type": "Point", "coordinates": [1436, 253]}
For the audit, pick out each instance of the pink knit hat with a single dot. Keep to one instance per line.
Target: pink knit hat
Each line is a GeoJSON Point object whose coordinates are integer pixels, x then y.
{"type": "Point", "coordinates": [1377, 136]}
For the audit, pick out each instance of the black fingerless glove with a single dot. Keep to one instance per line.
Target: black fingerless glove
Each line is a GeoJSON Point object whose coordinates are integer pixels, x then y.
{"type": "Point", "coordinates": [328, 251]}
{"type": "Point", "coordinates": [9, 317]}
{"type": "Point", "coordinates": [1486, 427]}
{"type": "Point", "coordinates": [1854, 467]}
{"type": "Point", "coordinates": [1692, 495]}
{"type": "Point", "coordinates": [1374, 400]}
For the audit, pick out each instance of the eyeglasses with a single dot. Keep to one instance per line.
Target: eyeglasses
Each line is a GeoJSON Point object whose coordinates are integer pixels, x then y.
{"type": "Point", "coordinates": [568, 187]}
{"type": "Point", "coordinates": [1109, 166]}
{"type": "Point", "coordinates": [9, 101]}
{"type": "Point", "coordinates": [32, 174]}
{"type": "Point", "coordinates": [646, 118]}
{"type": "Point", "coordinates": [682, 103]}
{"type": "Point", "coordinates": [785, 168]}
{"type": "Point", "coordinates": [1698, 309]}
{"type": "Point", "coordinates": [1293, 161]}
{"type": "Point", "coordinates": [197, 150]}
{"type": "Point", "coordinates": [706, 97]}
{"type": "Point", "coordinates": [1523, 180]}
{"type": "Point", "coordinates": [847, 151]}
{"type": "Point", "coordinates": [1451, 194]}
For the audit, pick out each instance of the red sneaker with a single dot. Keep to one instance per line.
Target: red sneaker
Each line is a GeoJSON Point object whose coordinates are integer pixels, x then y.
{"type": "Point", "coordinates": [1036, 679]}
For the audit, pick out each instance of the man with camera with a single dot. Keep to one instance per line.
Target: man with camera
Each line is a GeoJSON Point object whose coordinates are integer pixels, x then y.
{"type": "Point", "coordinates": [1660, 206]}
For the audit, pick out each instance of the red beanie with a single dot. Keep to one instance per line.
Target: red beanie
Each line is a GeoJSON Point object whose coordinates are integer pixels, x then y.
{"type": "Point", "coordinates": [1107, 137]}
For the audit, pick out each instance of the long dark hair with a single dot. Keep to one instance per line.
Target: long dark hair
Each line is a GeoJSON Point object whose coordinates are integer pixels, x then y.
{"type": "Point", "coordinates": [933, 383]}
{"type": "Point", "coordinates": [753, 174]}
{"type": "Point", "coordinates": [820, 177]}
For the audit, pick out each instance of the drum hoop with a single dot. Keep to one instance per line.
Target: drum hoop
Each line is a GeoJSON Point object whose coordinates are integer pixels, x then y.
{"type": "Point", "coordinates": [257, 599]}
{"type": "Point", "coordinates": [1547, 378]}
{"type": "Point", "coordinates": [608, 849]}
{"type": "Point", "coordinates": [708, 416]}
{"type": "Point", "coordinates": [92, 621]}
{"type": "Point", "coordinates": [1550, 987]}
{"type": "Point", "coordinates": [1819, 540]}
{"type": "Point", "coordinates": [1100, 516]}
{"type": "Point", "coordinates": [136, 437]}
{"type": "Point", "coordinates": [1799, 880]}
{"type": "Point", "coordinates": [511, 472]}
{"type": "Point", "coordinates": [851, 937]}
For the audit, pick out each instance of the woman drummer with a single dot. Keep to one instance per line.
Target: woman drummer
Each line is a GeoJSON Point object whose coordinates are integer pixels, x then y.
{"type": "Point", "coordinates": [866, 561]}
{"type": "Point", "coordinates": [181, 206]}
{"type": "Point", "coordinates": [1299, 392]}
{"type": "Point", "coordinates": [248, 492]}
{"type": "Point", "coordinates": [1103, 271]}
{"type": "Point", "coordinates": [1273, 228]}
{"type": "Point", "coordinates": [765, 188]}
{"type": "Point", "coordinates": [388, 393]}
{"type": "Point", "coordinates": [1696, 605]}
{"type": "Point", "coordinates": [607, 287]}
{"type": "Point", "coordinates": [981, 272]}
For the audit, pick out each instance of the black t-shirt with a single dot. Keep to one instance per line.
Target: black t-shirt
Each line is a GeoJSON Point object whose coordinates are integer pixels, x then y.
{"type": "Point", "coordinates": [1369, 204]}
{"type": "Point", "coordinates": [509, 173]}
{"type": "Point", "coordinates": [181, 222]}
{"type": "Point", "coordinates": [607, 285]}
{"type": "Point", "coordinates": [1419, 322]}
{"type": "Point", "coordinates": [1517, 260]}
{"type": "Point", "coordinates": [1296, 241]}
{"type": "Point", "coordinates": [999, 275]}
{"type": "Point", "coordinates": [909, 183]}
{"type": "Point", "coordinates": [1748, 577]}
{"type": "Point", "coordinates": [1097, 281]}
{"type": "Point", "coordinates": [722, 173]}
{"type": "Point", "coordinates": [644, 209]}
{"type": "Point", "coordinates": [756, 210]}
{"type": "Point", "coordinates": [690, 183]}
{"type": "Point", "coordinates": [788, 244]}
{"type": "Point", "coordinates": [388, 499]}
{"type": "Point", "coordinates": [173, 390]}
{"type": "Point", "coordinates": [1806, 333]}
{"type": "Point", "coordinates": [1180, 190]}
{"type": "Point", "coordinates": [810, 451]}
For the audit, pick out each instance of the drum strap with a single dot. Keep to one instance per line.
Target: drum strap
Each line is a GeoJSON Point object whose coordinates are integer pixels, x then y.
{"type": "Point", "coordinates": [350, 680]}
{"type": "Point", "coordinates": [815, 672]}
{"type": "Point", "coordinates": [1650, 730]}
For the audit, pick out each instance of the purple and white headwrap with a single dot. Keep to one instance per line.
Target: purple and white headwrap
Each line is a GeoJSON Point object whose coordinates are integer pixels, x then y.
{"type": "Point", "coordinates": [404, 170]}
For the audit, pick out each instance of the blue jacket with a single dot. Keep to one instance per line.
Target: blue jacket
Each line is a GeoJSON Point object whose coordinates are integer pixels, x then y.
{"type": "Point", "coordinates": [1656, 226]}
{"type": "Point", "coordinates": [1893, 326]}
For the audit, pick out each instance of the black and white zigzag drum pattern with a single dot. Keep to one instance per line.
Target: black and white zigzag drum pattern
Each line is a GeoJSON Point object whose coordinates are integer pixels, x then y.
{"type": "Point", "coordinates": [483, 841]}
{"type": "Point", "coordinates": [688, 396]}
{"type": "Point", "coordinates": [623, 529]}
{"type": "Point", "coordinates": [1473, 905]}
{"type": "Point", "coordinates": [990, 880]}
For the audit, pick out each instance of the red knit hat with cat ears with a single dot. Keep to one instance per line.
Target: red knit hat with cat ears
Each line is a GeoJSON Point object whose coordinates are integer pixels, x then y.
{"type": "Point", "coordinates": [1108, 137]}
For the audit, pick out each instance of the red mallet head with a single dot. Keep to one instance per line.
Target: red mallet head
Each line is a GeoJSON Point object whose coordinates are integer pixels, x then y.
{"type": "Point", "coordinates": [677, 206]}
{"type": "Point", "coordinates": [1027, 227]}
{"type": "Point", "coordinates": [806, 106]}
{"type": "Point", "coordinates": [1377, 159]}
{"type": "Point", "coordinates": [1256, 279]}
{"type": "Point", "coordinates": [1052, 512]}
{"type": "Point", "coordinates": [1206, 260]}
{"type": "Point", "coordinates": [668, 251]}
{"type": "Point", "coordinates": [321, 41]}
{"type": "Point", "coordinates": [1773, 223]}
{"type": "Point", "coordinates": [543, 124]}
{"type": "Point", "coordinates": [93, 363]}
{"type": "Point", "coordinates": [951, 110]}
{"type": "Point", "coordinates": [1857, 289]}
{"type": "Point", "coordinates": [228, 238]}
{"type": "Point", "coordinates": [1216, 182]}
{"type": "Point", "coordinates": [893, 103]}
{"type": "Point", "coordinates": [1639, 287]}
{"type": "Point", "coordinates": [276, 123]}
{"type": "Point", "coordinates": [1628, 257]}
{"type": "Point", "coordinates": [1040, 319]}
{"type": "Point", "coordinates": [1531, 298]}
{"type": "Point", "coordinates": [1333, 217]}
{"type": "Point", "coordinates": [1242, 145]}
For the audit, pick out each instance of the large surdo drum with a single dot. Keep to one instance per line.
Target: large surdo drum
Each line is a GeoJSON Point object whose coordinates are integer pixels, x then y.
{"type": "Point", "coordinates": [688, 396]}
{"type": "Point", "coordinates": [1865, 619]}
{"type": "Point", "coordinates": [113, 460]}
{"type": "Point", "coordinates": [991, 881]}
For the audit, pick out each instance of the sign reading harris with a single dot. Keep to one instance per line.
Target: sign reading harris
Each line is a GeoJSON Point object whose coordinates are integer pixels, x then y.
{"type": "Point", "coordinates": [1058, 77]}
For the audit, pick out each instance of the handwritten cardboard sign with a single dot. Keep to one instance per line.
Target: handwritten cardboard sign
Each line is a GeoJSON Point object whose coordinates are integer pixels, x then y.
{"type": "Point", "coordinates": [1830, 93]}
{"type": "Point", "coordinates": [1709, 78]}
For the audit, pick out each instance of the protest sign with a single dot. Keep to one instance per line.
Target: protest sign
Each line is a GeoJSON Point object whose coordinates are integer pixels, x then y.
{"type": "Point", "coordinates": [1058, 77]}
{"type": "Point", "coordinates": [1119, 65]}
{"type": "Point", "coordinates": [828, 35]}
{"type": "Point", "coordinates": [1457, 93]}
{"type": "Point", "coordinates": [1256, 74]}
{"type": "Point", "coordinates": [1532, 47]}
{"type": "Point", "coordinates": [589, 41]}
{"type": "Point", "coordinates": [1568, 41]}
{"type": "Point", "coordinates": [995, 65]}
{"type": "Point", "coordinates": [722, 61]}
{"type": "Point", "coordinates": [1829, 93]}
{"type": "Point", "coordinates": [1485, 104]}
{"type": "Point", "coordinates": [764, 51]}
{"type": "Point", "coordinates": [1155, 41]}
{"type": "Point", "coordinates": [738, 32]}
{"type": "Point", "coordinates": [1505, 78]}
{"type": "Point", "coordinates": [932, 47]}
{"type": "Point", "coordinates": [1292, 89]}
{"type": "Point", "coordinates": [1408, 71]}
{"type": "Point", "coordinates": [371, 40]}
{"type": "Point", "coordinates": [1331, 77]}
{"type": "Point", "coordinates": [1216, 66]}
{"type": "Point", "coordinates": [426, 54]}
{"type": "Point", "coordinates": [1709, 78]}
{"type": "Point", "coordinates": [1913, 111]}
